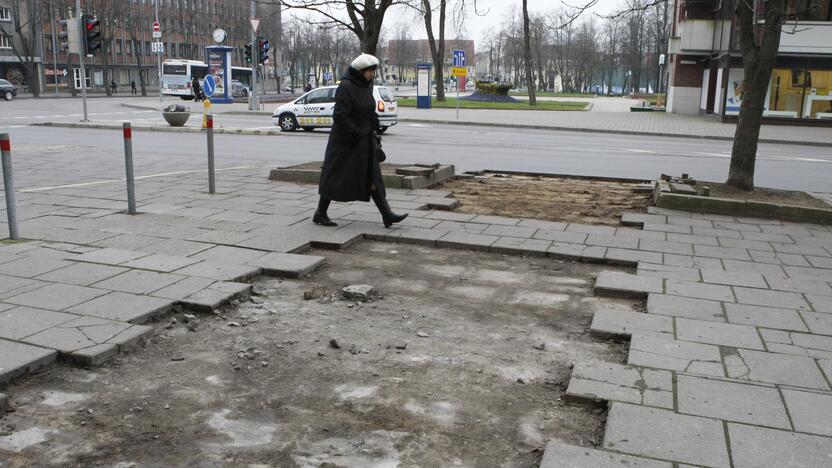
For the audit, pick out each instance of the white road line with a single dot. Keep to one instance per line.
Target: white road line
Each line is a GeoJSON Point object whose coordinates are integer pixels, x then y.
{"type": "Point", "coordinates": [641, 151]}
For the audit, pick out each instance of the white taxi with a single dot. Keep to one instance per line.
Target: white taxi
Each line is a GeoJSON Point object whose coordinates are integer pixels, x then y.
{"type": "Point", "coordinates": [315, 108]}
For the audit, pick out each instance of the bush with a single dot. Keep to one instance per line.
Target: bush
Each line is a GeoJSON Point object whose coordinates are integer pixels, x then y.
{"type": "Point", "coordinates": [490, 87]}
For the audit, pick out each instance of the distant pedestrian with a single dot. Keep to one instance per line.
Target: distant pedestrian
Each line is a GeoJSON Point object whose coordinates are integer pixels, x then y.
{"type": "Point", "coordinates": [197, 89]}
{"type": "Point", "coordinates": [113, 86]}
{"type": "Point", "coordinates": [352, 163]}
{"type": "Point", "coordinates": [307, 87]}
{"type": "Point", "coordinates": [133, 87]}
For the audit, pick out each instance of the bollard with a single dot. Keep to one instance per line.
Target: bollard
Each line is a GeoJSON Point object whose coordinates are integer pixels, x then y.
{"type": "Point", "coordinates": [8, 184]}
{"type": "Point", "coordinates": [211, 181]}
{"type": "Point", "coordinates": [128, 164]}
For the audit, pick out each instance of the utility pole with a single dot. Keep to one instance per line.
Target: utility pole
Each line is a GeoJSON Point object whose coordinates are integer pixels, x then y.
{"type": "Point", "coordinates": [54, 47]}
{"type": "Point", "coordinates": [159, 55]}
{"type": "Point", "coordinates": [253, 103]}
{"type": "Point", "coordinates": [81, 63]}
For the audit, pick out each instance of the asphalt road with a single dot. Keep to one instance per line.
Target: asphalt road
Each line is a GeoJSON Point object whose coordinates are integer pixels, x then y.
{"type": "Point", "coordinates": [98, 154]}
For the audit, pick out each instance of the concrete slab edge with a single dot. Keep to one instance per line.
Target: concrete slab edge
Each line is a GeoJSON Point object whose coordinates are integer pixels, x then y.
{"type": "Point", "coordinates": [742, 208]}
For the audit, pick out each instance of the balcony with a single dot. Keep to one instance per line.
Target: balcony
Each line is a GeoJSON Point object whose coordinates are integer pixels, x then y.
{"type": "Point", "coordinates": [699, 35]}
{"type": "Point", "coordinates": [807, 37]}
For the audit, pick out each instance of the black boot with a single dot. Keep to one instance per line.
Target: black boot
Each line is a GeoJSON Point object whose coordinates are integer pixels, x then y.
{"type": "Point", "coordinates": [387, 214]}
{"type": "Point", "coordinates": [320, 216]}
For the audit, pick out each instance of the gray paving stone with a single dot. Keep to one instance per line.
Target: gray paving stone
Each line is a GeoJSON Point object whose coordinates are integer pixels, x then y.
{"type": "Point", "coordinates": [124, 307]}
{"type": "Point", "coordinates": [745, 244]}
{"type": "Point", "coordinates": [612, 241]}
{"type": "Point", "coordinates": [731, 401]}
{"type": "Point", "coordinates": [781, 299]}
{"type": "Point", "coordinates": [30, 267]}
{"type": "Point", "coordinates": [669, 272]}
{"type": "Point", "coordinates": [689, 221]}
{"type": "Point", "coordinates": [820, 323]}
{"type": "Point", "coordinates": [56, 296]}
{"type": "Point", "coordinates": [139, 281]}
{"type": "Point", "coordinates": [276, 243]}
{"type": "Point", "coordinates": [519, 246]}
{"type": "Point", "coordinates": [628, 256]}
{"type": "Point", "coordinates": [721, 252]}
{"type": "Point", "coordinates": [755, 447]}
{"type": "Point", "coordinates": [734, 278]}
{"type": "Point", "coordinates": [800, 285]}
{"type": "Point", "coordinates": [612, 323]}
{"type": "Point", "coordinates": [211, 298]}
{"type": "Point", "coordinates": [820, 303]}
{"type": "Point", "coordinates": [465, 240]}
{"type": "Point", "coordinates": [128, 242]}
{"type": "Point", "coordinates": [509, 231]}
{"type": "Point", "coordinates": [688, 261]}
{"type": "Point", "coordinates": [665, 247]}
{"type": "Point", "coordinates": [110, 256]}
{"type": "Point", "coordinates": [784, 369]}
{"type": "Point", "coordinates": [612, 283]}
{"type": "Point", "coordinates": [161, 262]}
{"type": "Point", "coordinates": [744, 227]}
{"type": "Point", "coordinates": [802, 249]}
{"type": "Point", "coordinates": [287, 265]}
{"type": "Point", "coordinates": [752, 267]}
{"type": "Point", "coordinates": [597, 380]}
{"type": "Point", "coordinates": [82, 274]}
{"type": "Point", "coordinates": [86, 332]}
{"type": "Point", "coordinates": [578, 252]}
{"type": "Point", "coordinates": [12, 285]}
{"type": "Point", "coordinates": [184, 288]}
{"type": "Point", "coordinates": [221, 237]}
{"type": "Point", "coordinates": [667, 228]}
{"type": "Point", "coordinates": [19, 359]}
{"type": "Point", "coordinates": [637, 219]}
{"type": "Point", "coordinates": [667, 353]}
{"type": "Point", "coordinates": [706, 231]}
{"type": "Point", "coordinates": [595, 230]}
{"type": "Point", "coordinates": [639, 234]}
{"type": "Point", "coordinates": [20, 322]}
{"type": "Point", "coordinates": [676, 306]}
{"type": "Point", "coordinates": [485, 219]}
{"type": "Point", "coordinates": [416, 235]}
{"type": "Point", "coordinates": [561, 455]}
{"type": "Point", "coordinates": [811, 273]}
{"type": "Point", "coordinates": [176, 247]}
{"type": "Point", "coordinates": [713, 292]}
{"type": "Point", "coordinates": [692, 239]}
{"type": "Point", "coordinates": [769, 317]}
{"type": "Point", "coordinates": [220, 271]}
{"type": "Point", "coordinates": [811, 412]}
{"type": "Point", "coordinates": [724, 334]}
{"type": "Point", "coordinates": [557, 235]}
{"type": "Point", "coordinates": [226, 254]}
{"type": "Point", "coordinates": [820, 262]}
{"type": "Point", "coordinates": [799, 344]}
{"type": "Point", "coordinates": [663, 434]}
{"type": "Point", "coordinates": [451, 216]}
{"type": "Point", "coordinates": [93, 355]}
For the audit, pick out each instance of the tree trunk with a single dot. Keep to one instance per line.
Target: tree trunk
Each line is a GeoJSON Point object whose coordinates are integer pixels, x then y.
{"type": "Point", "coordinates": [758, 63]}
{"type": "Point", "coordinates": [528, 55]}
{"type": "Point", "coordinates": [437, 51]}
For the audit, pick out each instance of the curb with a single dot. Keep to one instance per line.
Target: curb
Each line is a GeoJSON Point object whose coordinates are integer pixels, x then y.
{"type": "Point", "coordinates": [618, 132]}
{"type": "Point", "coordinates": [743, 208]}
{"type": "Point", "coordinates": [238, 131]}
{"type": "Point", "coordinates": [232, 112]}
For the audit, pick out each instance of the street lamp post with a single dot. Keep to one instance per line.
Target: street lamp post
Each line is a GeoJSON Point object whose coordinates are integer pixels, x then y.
{"type": "Point", "coordinates": [159, 55]}
{"type": "Point", "coordinates": [253, 103]}
{"type": "Point", "coordinates": [81, 65]}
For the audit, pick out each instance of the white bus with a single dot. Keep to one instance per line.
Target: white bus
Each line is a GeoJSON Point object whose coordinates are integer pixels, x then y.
{"type": "Point", "coordinates": [178, 74]}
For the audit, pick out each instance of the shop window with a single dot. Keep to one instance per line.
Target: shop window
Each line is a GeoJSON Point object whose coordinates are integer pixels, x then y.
{"type": "Point", "coordinates": [803, 93]}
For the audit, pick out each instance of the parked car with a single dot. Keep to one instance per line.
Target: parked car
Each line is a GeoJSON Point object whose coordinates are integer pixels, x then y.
{"type": "Point", "coordinates": [7, 90]}
{"type": "Point", "coordinates": [315, 108]}
{"type": "Point", "coordinates": [238, 89]}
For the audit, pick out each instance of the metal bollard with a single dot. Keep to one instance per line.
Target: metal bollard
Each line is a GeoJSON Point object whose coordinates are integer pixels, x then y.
{"type": "Point", "coordinates": [8, 184]}
{"type": "Point", "coordinates": [211, 180]}
{"type": "Point", "coordinates": [128, 164]}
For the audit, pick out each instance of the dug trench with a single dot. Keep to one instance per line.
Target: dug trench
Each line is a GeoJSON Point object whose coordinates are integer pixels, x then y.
{"type": "Point", "coordinates": [461, 359]}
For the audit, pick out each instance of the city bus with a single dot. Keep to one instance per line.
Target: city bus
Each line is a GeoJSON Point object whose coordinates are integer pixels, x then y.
{"type": "Point", "coordinates": [178, 74]}
{"type": "Point", "coordinates": [241, 74]}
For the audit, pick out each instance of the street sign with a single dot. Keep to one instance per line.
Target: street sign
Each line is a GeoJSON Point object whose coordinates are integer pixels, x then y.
{"type": "Point", "coordinates": [157, 47]}
{"type": "Point", "coordinates": [209, 85]}
{"type": "Point", "coordinates": [157, 27]}
{"type": "Point", "coordinates": [459, 71]}
{"type": "Point", "coordinates": [459, 58]}
{"type": "Point", "coordinates": [254, 24]}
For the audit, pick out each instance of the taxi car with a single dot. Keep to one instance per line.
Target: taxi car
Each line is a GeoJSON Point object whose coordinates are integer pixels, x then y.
{"type": "Point", "coordinates": [315, 108]}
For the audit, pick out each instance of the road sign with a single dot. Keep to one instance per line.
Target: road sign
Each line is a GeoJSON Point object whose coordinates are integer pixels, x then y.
{"type": "Point", "coordinates": [157, 27]}
{"type": "Point", "coordinates": [209, 85]}
{"type": "Point", "coordinates": [157, 47]}
{"type": "Point", "coordinates": [459, 71]}
{"type": "Point", "coordinates": [157, 34]}
{"type": "Point", "coordinates": [254, 24]}
{"type": "Point", "coordinates": [459, 58]}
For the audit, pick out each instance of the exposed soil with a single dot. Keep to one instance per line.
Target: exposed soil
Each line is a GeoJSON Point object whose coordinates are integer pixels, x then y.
{"type": "Point", "coordinates": [569, 200]}
{"type": "Point", "coordinates": [765, 195]}
{"type": "Point", "coordinates": [445, 368]}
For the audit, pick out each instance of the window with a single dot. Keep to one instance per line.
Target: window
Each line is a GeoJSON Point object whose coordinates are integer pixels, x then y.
{"type": "Point", "coordinates": [76, 74]}
{"type": "Point", "coordinates": [319, 96]}
{"type": "Point", "coordinates": [5, 42]}
{"type": "Point", "coordinates": [180, 70]}
{"type": "Point", "coordinates": [5, 14]}
{"type": "Point", "coordinates": [810, 10]}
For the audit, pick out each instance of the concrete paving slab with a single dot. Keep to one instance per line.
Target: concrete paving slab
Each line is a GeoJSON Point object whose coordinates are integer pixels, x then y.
{"type": "Point", "coordinates": [731, 401]}
{"type": "Point", "coordinates": [688, 261]}
{"type": "Point", "coordinates": [519, 246]}
{"type": "Point", "coordinates": [464, 240]}
{"type": "Point", "coordinates": [734, 278]}
{"type": "Point", "coordinates": [175, 247]}
{"type": "Point", "coordinates": [20, 322]}
{"type": "Point", "coordinates": [668, 353]}
{"type": "Point", "coordinates": [416, 235]}
{"type": "Point", "coordinates": [94, 355]}
{"type": "Point", "coordinates": [629, 256]}
{"type": "Point", "coordinates": [677, 248]}
{"type": "Point", "coordinates": [799, 285]}
{"type": "Point", "coordinates": [82, 274]}
{"type": "Point", "coordinates": [768, 317]}
{"type": "Point", "coordinates": [811, 412]}
{"type": "Point", "coordinates": [226, 254]}
{"type": "Point", "coordinates": [504, 221]}
{"type": "Point", "coordinates": [612, 241]}
{"type": "Point", "coordinates": [509, 231]}
{"type": "Point", "coordinates": [596, 380]}
{"type": "Point", "coordinates": [753, 447]}
{"type": "Point", "coordinates": [761, 297]}
{"type": "Point", "coordinates": [19, 359]}
{"type": "Point", "coordinates": [139, 281]}
{"type": "Point", "coordinates": [657, 270]}
{"type": "Point", "coordinates": [712, 292]}
{"type": "Point", "coordinates": [616, 323]}
{"type": "Point", "coordinates": [723, 334]}
{"type": "Point", "coordinates": [184, 288]}
{"type": "Point", "coordinates": [110, 256]}
{"type": "Point", "coordinates": [124, 307]}
{"type": "Point", "coordinates": [161, 262]}
{"type": "Point", "coordinates": [676, 306]}
{"type": "Point", "coordinates": [561, 455]}
{"type": "Point", "coordinates": [287, 265]}
{"type": "Point", "coordinates": [663, 434]}
{"type": "Point", "coordinates": [784, 369]}
{"type": "Point", "coordinates": [612, 283]}
{"type": "Point", "coordinates": [56, 296]}
{"type": "Point", "coordinates": [12, 285]}
{"type": "Point", "coordinates": [577, 252]}
{"type": "Point", "coordinates": [30, 267]}
{"type": "Point", "coordinates": [558, 235]}
{"type": "Point", "coordinates": [220, 271]}
{"type": "Point", "coordinates": [820, 323]}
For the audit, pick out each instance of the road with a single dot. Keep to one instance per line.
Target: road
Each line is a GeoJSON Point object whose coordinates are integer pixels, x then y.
{"type": "Point", "coordinates": [54, 156]}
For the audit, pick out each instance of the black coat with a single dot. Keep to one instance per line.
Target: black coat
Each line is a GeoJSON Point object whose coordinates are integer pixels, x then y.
{"type": "Point", "coordinates": [349, 163]}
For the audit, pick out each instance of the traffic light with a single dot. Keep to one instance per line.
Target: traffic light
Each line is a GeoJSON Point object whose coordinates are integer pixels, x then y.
{"type": "Point", "coordinates": [68, 36]}
{"type": "Point", "coordinates": [263, 47]}
{"type": "Point", "coordinates": [248, 53]}
{"type": "Point", "coordinates": [92, 34]}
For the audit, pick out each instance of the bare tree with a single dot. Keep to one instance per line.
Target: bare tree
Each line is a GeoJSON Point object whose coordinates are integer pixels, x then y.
{"type": "Point", "coordinates": [437, 49]}
{"type": "Point", "coordinates": [26, 22]}
{"type": "Point", "coordinates": [527, 54]}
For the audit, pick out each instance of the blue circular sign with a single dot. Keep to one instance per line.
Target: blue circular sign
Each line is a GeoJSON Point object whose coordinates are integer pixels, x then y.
{"type": "Point", "coordinates": [209, 85]}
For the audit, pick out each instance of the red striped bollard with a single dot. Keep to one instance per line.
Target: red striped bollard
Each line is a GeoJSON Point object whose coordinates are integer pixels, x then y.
{"type": "Point", "coordinates": [8, 185]}
{"type": "Point", "coordinates": [128, 163]}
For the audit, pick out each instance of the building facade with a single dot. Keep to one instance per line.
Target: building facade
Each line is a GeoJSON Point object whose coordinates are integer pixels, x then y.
{"type": "Point", "coordinates": [16, 54]}
{"type": "Point", "coordinates": [705, 64]}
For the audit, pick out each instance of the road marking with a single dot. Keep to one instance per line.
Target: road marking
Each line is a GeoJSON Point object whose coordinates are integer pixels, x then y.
{"type": "Point", "coordinates": [641, 151]}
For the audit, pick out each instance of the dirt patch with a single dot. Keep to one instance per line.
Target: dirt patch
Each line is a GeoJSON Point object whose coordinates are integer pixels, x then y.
{"type": "Point", "coordinates": [765, 195]}
{"type": "Point", "coordinates": [569, 200]}
{"type": "Point", "coordinates": [462, 361]}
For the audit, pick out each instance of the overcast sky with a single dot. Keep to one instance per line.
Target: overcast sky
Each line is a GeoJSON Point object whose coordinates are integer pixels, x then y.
{"type": "Point", "coordinates": [495, 12]}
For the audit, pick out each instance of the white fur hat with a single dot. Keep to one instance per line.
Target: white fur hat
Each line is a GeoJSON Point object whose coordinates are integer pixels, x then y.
{"type": "Point", "coordinates": [364, 61]}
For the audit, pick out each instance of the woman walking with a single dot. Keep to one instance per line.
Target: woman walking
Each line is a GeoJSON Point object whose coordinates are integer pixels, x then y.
{"type": "Point", "coordinates": [352, 170]}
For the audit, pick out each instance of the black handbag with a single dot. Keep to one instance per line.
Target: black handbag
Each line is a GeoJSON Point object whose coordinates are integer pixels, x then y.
{"type": "Point", "coordinates": [377, 151]}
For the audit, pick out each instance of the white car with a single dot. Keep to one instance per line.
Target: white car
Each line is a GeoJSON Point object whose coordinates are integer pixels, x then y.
{"type": "Point", "coordinates": [315, 108]}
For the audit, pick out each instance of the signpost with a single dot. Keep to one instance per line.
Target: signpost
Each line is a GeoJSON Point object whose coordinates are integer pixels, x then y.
{"type": "Point", "coordinates": [423, 85]}
{"type": "Point", "coordinates": [460, 71]}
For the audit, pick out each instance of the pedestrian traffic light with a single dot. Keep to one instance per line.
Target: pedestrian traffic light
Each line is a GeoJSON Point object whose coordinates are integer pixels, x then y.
{"type": "Point", "coordinates": [92, 34]}
{"type": "Point", "coordinates": [248, 53]}
{"type": "Point", "coordinates": [263, 47]}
